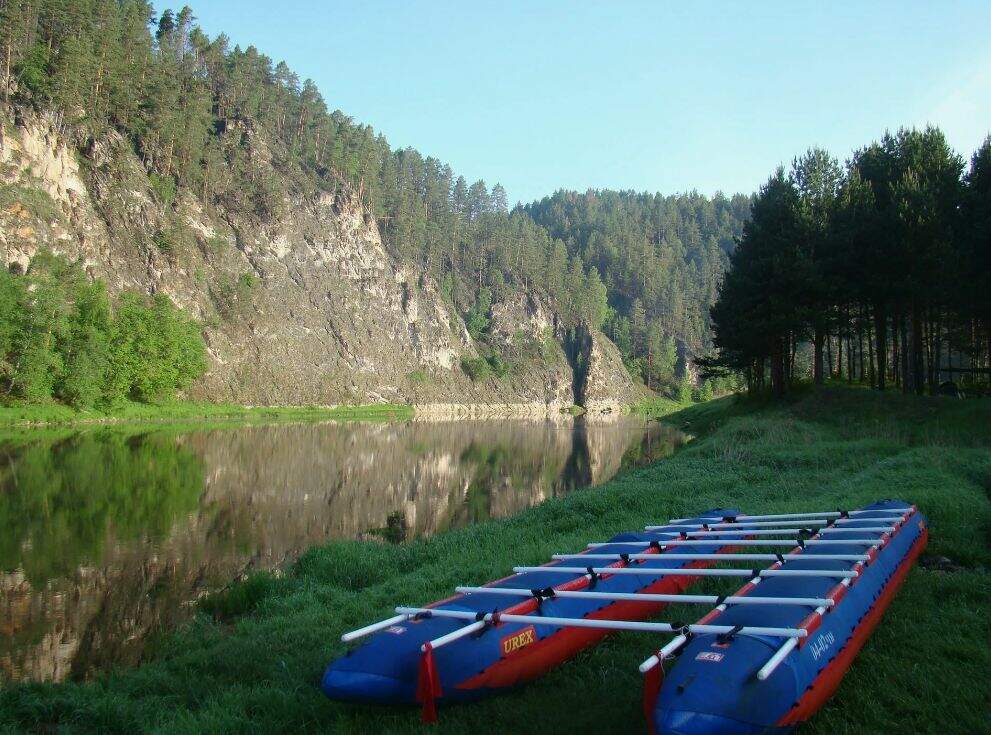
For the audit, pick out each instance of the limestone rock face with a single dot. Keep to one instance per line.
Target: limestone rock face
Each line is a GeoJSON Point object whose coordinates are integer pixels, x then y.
{"type": "Point", "coordinates": [604, 386]}
{"type": "Point", "coordinates": [300, 305]}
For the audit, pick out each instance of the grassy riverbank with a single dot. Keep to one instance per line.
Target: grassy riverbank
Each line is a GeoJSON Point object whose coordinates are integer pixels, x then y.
{"type": "Point", "coordinates": [252, 664]}
{"type": "Point", "coordinates": [56, 414]}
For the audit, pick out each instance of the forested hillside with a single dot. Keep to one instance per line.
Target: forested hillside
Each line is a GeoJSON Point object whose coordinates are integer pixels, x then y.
{"type": "Point", "coordinates": [881, 270]}
{"type": "Point", "coordinates": [199, 112]}
{"type": "Point", "coordinates": [661, 258]}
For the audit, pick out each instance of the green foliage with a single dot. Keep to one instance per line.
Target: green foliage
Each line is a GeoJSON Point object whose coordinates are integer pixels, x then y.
{"type": "Point", "coordinates": [235, 298]}
{"type": "Point", "coordinates": [60, 340]}
{"type": "Point", "coordinates": [246, 283]}
{"type": "Point", "coordinates": [418, 377]}
{"type": "Point", "coordinates": [164, 188]}
{"type": "Point", "coordinates": [477, 319]}
{"type": "Point", "coordinates": [685, 390]}
{"type": "Point", "coordinates": [500, 368]}
{"type": "Point", "coordinates": [480, 368]}
{"type": "Point", "coordinates": [164, 241]}
{"type": "Point", "coordinates": [33, 198]}
{"type": "Point", "coordinates": [156, 351]}
{"type": "Point", "coordinates": [476, 368]}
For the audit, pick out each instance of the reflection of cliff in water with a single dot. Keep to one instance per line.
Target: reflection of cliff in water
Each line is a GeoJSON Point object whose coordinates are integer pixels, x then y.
{"type": "Point", "coordinates": [109, 535]}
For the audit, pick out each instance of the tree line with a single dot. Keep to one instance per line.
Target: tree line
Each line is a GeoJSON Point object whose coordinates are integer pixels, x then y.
{"type": "Point", "coordinates": [878, 271]}
{"type": "Point", "coordinates": [643, 266]}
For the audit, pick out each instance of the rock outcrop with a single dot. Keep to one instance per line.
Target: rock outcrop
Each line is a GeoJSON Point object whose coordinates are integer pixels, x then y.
{"type": "Point", "coordinates": [602, 384]}
{"type": "Point", "coordinates": [303, 305]}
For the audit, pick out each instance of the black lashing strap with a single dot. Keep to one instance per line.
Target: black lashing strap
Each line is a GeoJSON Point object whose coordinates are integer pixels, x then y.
{"type": "Point", "coordinates": [781, 558]}
{"type": "Point", "coordinates": [656, 545]}
{"type": "Point", "coordinates": [729, 519]}
{"type": "Point", "coordinates": [543, 594]}
{"type": "Point", "coordinates": [729, 635]}
{"type": "Point", "coordinates": [625, 558]}
{"type": "Point", "coordinates": [843, 513]}
{"type": "Point", "coordinates": [594, 576]}
{"type": "Point", "coordinates": [801, 543]}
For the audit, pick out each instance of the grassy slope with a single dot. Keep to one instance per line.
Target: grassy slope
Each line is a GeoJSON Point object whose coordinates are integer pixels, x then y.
{"type": "Point", "coordinates": [923, 670]}
{"type": "Point", "coordinates": [58, 414]}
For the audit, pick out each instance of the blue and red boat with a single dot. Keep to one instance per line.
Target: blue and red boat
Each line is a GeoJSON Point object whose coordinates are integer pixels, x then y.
{"type": "Point", "coordinates": [748, 684]}
{"type": "Point", "coordinates": [468, 646]}
{"type": "Point", "coordinates": [762, 661]}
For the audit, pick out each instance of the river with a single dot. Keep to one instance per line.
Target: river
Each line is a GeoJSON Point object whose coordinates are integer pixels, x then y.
{"type": "Point", "coordinates": [110, 535]}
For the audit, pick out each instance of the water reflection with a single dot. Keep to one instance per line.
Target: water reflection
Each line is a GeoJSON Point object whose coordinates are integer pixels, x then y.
{"type": "Point", "coordinates": [108, 535]}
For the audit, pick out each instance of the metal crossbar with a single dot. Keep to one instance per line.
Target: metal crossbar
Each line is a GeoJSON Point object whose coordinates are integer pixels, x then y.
{"type": "Point", "coordinates": [741, 542]}
{"type": "Point", "coordinates": [772, 531]}
{"type": "Point", "coordinates": [709, 557]}
{"type": "Point", "coordinates": [896, 513]}
{"type": "Point", "coordinates": [496, 618]}
{"type": "Point", "coordinates": [681, 572]}
{"type": "Point", "coordinates": [651, 597]}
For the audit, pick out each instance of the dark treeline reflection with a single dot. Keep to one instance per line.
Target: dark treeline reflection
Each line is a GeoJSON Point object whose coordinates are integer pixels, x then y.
{"type": "Point", "coordinates": [110, 536]}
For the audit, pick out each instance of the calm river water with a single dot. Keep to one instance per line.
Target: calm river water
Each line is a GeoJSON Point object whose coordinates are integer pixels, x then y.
{"type": "Point", "coordinates": [107, 535]}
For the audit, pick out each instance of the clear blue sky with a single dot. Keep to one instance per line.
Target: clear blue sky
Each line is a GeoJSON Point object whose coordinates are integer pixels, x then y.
{"type": "Point", "coordinates": [658, 96]}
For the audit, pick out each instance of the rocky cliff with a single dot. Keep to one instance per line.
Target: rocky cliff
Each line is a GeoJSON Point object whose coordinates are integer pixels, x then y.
{"type": "Point", "coordinates": [300, 305]}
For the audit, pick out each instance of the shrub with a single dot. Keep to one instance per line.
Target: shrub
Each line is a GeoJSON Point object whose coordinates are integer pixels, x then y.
{"type": "Point", "coordinates": [59, 339]}
{"type": "Point", "coordinates": [234, 297]}
{"type": "Point", "coordinates": [156, 350]}
{"type": "Point", "coordinates": [164, 188]}
{"type": "Point", "coordinates": [476, 368]}
{"type": "Point", "coordinates": [499, 366]}
{"type": "Point", "coordinates": [164, 242]}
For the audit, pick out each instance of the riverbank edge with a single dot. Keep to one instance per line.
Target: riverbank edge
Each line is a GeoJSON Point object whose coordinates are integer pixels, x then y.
{"type": "Point", "coordinates": [27, 416]}
{"type": "Point", "coordinates": [56, 415]}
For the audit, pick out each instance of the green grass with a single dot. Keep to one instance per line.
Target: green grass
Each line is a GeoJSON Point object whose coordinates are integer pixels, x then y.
{"type": "Point", "coordinates": [54, 414]}
{"type": "Point", "coordinates": [657, 406]}
{"type": "Point", "coordinates": [252, 662]}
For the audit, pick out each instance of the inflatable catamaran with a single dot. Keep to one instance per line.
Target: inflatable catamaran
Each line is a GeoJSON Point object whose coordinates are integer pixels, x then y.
{"type": "Point", "coordinates": [764, 659]}
{"type": "Point", "coordinates": [486, 639]}
{"type": "Point", "coordinates": [745, 683]}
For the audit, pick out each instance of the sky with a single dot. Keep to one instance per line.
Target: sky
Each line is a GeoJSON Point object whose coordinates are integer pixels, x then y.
{"type": "Point", "coordinates": [541, 95]}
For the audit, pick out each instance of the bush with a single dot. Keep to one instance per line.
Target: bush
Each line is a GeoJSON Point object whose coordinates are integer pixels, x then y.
{"type": "Point", "coordinates": [476, 368]}
{"type": "Point", "coordinates": [499, 366]}
{"type": "Point", "coordinates": [234, 298]}
{"type": "Point", "coordinates": [164, 188]}
{"type": "Point", "coordinates": [164, 242]}
{"type": "Point", "coordinates": [417, 377]}
{"type": "Point", "coordinates": [477, 319]}
{"type": "Point", "coordinates": [59, 339]}
{"type": "Point", "coordinates": [156, 350]}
